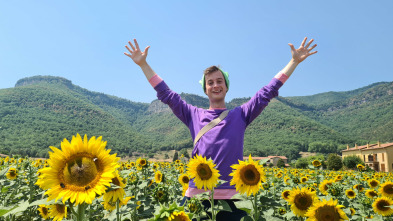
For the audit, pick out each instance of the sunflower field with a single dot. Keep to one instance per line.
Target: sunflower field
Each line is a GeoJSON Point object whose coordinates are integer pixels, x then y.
{"type": "Point", "coordinates": [83, 181]}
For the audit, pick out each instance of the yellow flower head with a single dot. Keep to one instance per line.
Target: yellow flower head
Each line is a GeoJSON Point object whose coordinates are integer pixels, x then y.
{"type": "Point", "coordinates": [381, 206]}
{"type": "Point", "coordinates": [324, 186]}
{"type": "Point", "coordinates": [371, 193]}
{"type": "Point", "coordinates": [158, 177]}
{"type": "Point", "coordinates": [373, 183]}
{"type": "Point", "coordinates": [301, 200]}
{"type": "Point", "coordinates": [79, 171]}
{"type": "Point", "coordinates": [350, 193]}
{"type": "Point", "coordinates": [316, 163]}
{"type": "Point", "coordinates": [58, 211]}
{"type": "Point", "coordinates": [247, 176]}
{"type": "Point", "coordinates": [386, 189]}
{"type": "Point", "coordinates": [178, 216]}
{"type": "Point", "coordinates": [184, 179]}
{"type": "Point", "coordinates": [206, 176]}
{"type": "Point", "coordinates": [12, 173]}
{"type": "Point", "coordinates": [326, 210]}
{"type": "Point", "coordinates": [44, 211]}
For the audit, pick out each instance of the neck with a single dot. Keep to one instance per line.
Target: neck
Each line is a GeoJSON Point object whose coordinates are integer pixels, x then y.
{"type": "Point", "coordinates": [217, 105]}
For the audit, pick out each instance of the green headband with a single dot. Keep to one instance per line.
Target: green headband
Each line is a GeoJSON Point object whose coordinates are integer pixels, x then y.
{"type": "Point", "coordinates": [226, 77]}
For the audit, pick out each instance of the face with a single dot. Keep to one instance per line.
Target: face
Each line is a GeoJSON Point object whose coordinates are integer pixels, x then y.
{"type": "Point", "coordinates": [216, 88]}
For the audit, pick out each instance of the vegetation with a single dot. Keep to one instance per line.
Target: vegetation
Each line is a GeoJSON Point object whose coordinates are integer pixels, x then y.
{"type": "Point", "coordinates": [42, 110]}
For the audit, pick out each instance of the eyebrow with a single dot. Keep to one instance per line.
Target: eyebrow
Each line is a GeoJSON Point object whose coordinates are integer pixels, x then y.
{"type": "Point", "coordinates": [220, 78]}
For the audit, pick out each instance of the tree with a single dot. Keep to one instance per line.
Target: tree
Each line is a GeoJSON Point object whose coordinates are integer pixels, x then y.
{"type": "Point", "coordinates": [280, 163]}
{"type": "Point", "coordinates": [334, 162]}
{"type": "Point", "coordinates": [175, 156]}
{"type": "Point", "coordinates": [352, 161]}
{"type": "Point", "coordinates": [302, 163]}
{"type": "Point", "coordinates": [185, 153]}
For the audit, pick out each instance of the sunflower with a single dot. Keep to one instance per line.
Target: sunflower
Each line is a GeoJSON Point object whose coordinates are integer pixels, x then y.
{"type": "Point", "coordinates": [111, 205]}
{"type": "Point", "coordinates": [79, 171]}
{"type": "Point", "coordinates": [158, 177]}
{"type": "Point", "coordinates": [360, 167]}
{"type": "Point", "coordinates": [359, 187]}
{"type": "Point", "coordinates": [285, 194]}
{"type": "Point", "coordinates": [160, 194]}
{"type": "Point", "coordinates": [57, 211]}
{"type": "Point", "coordinates": [303, 179]}
{"type": "Point", "coordinates": [194, 205]}
{"type": "Point", "coordinates": [350, 193]}
{"type": "Point", "coordinates": [324, 186]}
{"type": "Point", "coordinates": [373, 183]}
{"type": "Point", "coordinates": [382, 206]}
{"type": "Point", "coordinates": [316, 163]}
{"type": "Point", "coordinates": [178, 215]}
{"type": "Point", "coordinates": [44, 211]}
{"type": "Point", "coordinates": [184, 179]}
{"type": "Point", "coordinates": [247, 176]}
{"type": "Point", "coordinates": [141, 163]}
{"type": "Point", "coordinates": [386, 189]}
{"type": "Point", "coordinates": [301, 200]}
{"type": "Point", "coordinates": [12, 173]}
{"type": "Point", "coordinates": [371, 193]}
{"type": "Point", "coordinates": [353, 211]}
{"type": "Point", "coordinates": [203, 171]}
{"type": "Point", "coordinates": [326, 210]}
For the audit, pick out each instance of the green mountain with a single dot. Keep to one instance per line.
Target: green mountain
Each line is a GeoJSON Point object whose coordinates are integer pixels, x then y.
{"type": "Point", "coordinates": [41, 111]}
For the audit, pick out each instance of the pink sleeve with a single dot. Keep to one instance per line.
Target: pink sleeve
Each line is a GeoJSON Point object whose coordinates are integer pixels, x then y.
{"type": "Point", "coordinates": [155, 80]}
{"type": "Point", "coordinates": [281, 77]}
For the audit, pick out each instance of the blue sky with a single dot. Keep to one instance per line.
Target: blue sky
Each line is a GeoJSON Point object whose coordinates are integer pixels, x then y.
{"type": "Point", "coordinates": [84, 41]}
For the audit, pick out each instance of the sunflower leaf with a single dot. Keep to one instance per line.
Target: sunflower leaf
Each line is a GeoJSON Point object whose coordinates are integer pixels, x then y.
{"type": "Point", "coordinates": [4, 171]}
{"type": "Point", "coordinates": [246, 218]}
{"type": "Point", "coordinates": [223, 205]}
{"type": "Point", "coordinates": [244, 204]}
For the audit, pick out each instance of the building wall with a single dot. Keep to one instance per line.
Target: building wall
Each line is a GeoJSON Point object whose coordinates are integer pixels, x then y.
{"type": "Point", "coordinates": [381, 158]}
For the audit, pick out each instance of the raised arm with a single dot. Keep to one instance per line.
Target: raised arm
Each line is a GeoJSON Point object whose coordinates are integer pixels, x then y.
{"type": "Point", "coordinates": [139, 58]}
{"type": "Point", "coordinates": [298, 55]}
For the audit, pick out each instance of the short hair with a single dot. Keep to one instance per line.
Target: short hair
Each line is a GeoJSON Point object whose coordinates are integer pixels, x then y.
{"type": "Point", "coordinates": [209, 70]}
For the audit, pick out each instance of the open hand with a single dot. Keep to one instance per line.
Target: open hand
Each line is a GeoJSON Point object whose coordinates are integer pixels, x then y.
{"type": "Point", "coordinates": [302, 52]}
{"type": "Point", "coordinates": [136, 54]}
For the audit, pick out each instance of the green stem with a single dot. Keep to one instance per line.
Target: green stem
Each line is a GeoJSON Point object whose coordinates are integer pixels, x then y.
{"type": "Point", "coordinates": [117, 210]}
{"type": "Point", "coordinates": [256, 212]}
{"type": "Point", "coordinates": [81, 212]}
{"type": "Point", "coordinates": [212, 204]}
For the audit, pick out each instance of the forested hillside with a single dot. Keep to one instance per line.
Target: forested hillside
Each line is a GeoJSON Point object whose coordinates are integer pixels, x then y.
{"type": "Point", "coordinates": [40, 111]}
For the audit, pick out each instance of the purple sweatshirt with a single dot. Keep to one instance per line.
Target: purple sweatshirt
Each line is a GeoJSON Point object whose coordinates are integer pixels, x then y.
{"type": "Point", "coordinates": [224, 142]}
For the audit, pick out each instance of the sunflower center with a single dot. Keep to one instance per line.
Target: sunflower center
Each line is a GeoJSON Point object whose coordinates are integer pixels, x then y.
{"type": "Point", "coordinates": [44, 210]}
{"type": "Point", "coordinates": [373, 183]}
{"type": "Point", "coordinates": [373, 193]}
{"type": "Point", "coordinates": [80, 171]}
{"type": "Point", "coordinates": [60, 208]}
{"type": "Point", "coordinates": [388, 189]}
{"type": "Point", "coordinates": [383, 205]}
{"type": "Point", "coordinates": [12, 173]}
{"type": "Point", "coordinates": [116, 181]}
{"type": "Point", "coordinates": [327, 213]}
{"type": "Point", "coordinates": [351, 193]}
{"type": "Point", "coordinates": [204, 171]}
{"type": "Point", "coordinates": [303, 201]}
{"type": "Point", "coordinates": [185, 179]}
{"type": "Point", "coordinates": [250, 175]}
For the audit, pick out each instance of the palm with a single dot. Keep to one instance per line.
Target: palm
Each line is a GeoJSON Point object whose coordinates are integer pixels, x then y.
{"type": "Point", "coordinates": [303, 51]}
{"type": "Point", "coordinates": [136, 54]}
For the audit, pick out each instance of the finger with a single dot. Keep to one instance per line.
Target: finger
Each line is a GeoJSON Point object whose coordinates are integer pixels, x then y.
{"type": "Point", "coordinates": [304, 41]}
{"type": "Point", "coordinates": [146, 50]}
{"type": "Point", "coordinates": [308, 44]}
{"type": "Point", "coordinates": [127, 54]}
{"type": "Point", "coordinates": [314, 52]}
{"type": "Point", "coordinates": [312, 47]}
{"type": "Point", "coordinates": [132, 46]}
{"type": "Point", "coordinates": [292, 47]}
{"type": "Point", "coordinates": [136, 45]}
{"type": "Point", "coordinates": [129, 49]}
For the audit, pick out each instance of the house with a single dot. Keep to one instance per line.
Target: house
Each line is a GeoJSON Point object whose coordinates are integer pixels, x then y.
{"type": "Point", "coordinates": [378, 157]}
{"type": "Point", "coordinates": [271, 159]}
